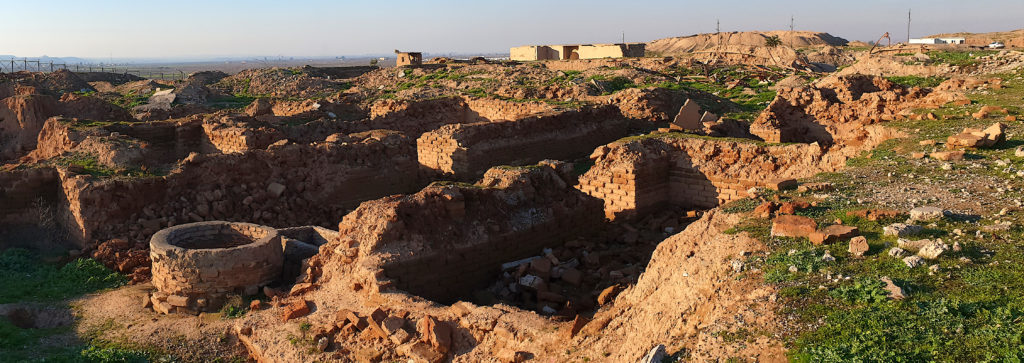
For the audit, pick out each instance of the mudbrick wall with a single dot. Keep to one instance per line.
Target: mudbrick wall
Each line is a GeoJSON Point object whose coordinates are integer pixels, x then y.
{"type": "Point", "coordinates": [467, 150]}
{"type": "Point", "coordinates": [228, 139]}
{"type": "Point", "coordinates": [159, 142]}
{"type": "Point", "coordinates": [493, 109]}
{"type": "Point", "coordinates": [448, 240]}
{"type": "Point", "coordinates": [639, 176]}
{"type": "Point", "coordinates": [283, 186]}
{"type": "Point", "coordinates": [22, 191]}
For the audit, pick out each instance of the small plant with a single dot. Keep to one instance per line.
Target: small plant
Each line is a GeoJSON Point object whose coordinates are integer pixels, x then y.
{"type": "Point", "coordinates": [862, 291]}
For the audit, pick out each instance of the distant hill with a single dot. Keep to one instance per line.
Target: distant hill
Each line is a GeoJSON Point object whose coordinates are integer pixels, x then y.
{"type": "Point", "coordinates": [68, 60]}
{"type": "Point", "coordinates": [697, 42]}
{"type": "Point", "coordinates": [1013, 38]}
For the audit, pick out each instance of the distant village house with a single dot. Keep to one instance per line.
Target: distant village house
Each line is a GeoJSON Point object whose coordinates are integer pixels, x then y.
{"type": "Point", "coordinates": [577, 51]}
{"type": "Point", "coordinates": [938, 40]}
{"type": "Point", "coordinates": [408, 58]}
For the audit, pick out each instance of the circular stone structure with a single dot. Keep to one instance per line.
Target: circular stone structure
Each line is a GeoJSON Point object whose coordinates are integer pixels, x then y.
{"type": "Point", "coordinates": [197, 265]}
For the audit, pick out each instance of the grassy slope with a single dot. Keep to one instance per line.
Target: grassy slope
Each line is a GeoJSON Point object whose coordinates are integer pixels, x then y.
{"type": "Point", "coordinates": [969, 311]}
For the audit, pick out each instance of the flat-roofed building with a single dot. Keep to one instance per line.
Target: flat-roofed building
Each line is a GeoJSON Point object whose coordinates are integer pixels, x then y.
{"type": "Point", "coordinates": [576, 51]}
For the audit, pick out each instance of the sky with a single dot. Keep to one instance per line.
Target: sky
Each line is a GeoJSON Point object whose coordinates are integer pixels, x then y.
{"type": "Point", "coordinates": [316, 28]}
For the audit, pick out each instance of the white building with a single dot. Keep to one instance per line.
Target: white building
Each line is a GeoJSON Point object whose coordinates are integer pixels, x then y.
{"type": "Point", "coordinates": [938, 40]}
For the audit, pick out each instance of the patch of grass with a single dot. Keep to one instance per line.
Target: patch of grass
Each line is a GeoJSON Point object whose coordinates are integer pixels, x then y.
{"type": "Point", "coordinates": [959, 57]}
{"type": "Point", "coordinates": [130, 99]}
{"type": "Point", "coordinates": [25, 278]}
{"type": "Point", "coordinates": [916, 81]}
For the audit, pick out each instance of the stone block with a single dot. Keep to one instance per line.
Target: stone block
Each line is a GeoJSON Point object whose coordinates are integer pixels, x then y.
{"type": "Point", "coordinates": [793, 226]}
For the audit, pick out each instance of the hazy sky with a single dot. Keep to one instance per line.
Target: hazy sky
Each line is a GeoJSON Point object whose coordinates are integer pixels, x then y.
{"type": "Point", "coordinates": [191, 28]}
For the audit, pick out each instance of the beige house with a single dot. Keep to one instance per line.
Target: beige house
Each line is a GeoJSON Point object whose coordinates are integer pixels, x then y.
{"type": "Point", "coordinates": [408, 58]}
{"type": "Point", "coordinates": [577, 51]}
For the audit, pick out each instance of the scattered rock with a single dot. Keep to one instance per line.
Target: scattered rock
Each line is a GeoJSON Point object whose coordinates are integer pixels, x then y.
{"type": "Point", "coordinates": [793, 226]}
{"type": "Point", "coordinates": [976, 138]}
{"type": "Point", "coordinates": [655, 355]}
{"type": "Point", "coordinates": [913, 261]}
{"type": "Point", "coordinates": [895, 292]}
{"type": "Point", "coordinates": [897, 252]}
{"type": "Point", "coordinates": [954, 155]}
{"type": "Point", "coordinates": [608, 294]}
{"type": "Point", "coordinates": [833, 233]}
{"type": "Point", "coordinates": [933, 250]}
{"type": "Point", "coordinates": [926, 214]}
{"type": "Point", "coordinates": [688, 117]}
{"type": "Point", "coordinates": [859, 246]}
{"type": "Point", "coordinates": [295, 309]}
{"type": "Point", "coordinates": [902, 230]}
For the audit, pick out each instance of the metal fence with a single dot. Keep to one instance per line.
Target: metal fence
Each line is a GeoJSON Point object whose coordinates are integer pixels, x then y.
{"type": "Point", "coordinates": [36, 65]}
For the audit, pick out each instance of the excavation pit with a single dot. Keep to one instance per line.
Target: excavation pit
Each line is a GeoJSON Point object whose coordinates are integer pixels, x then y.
{"type": "Point", "coordinates": [197, 265]}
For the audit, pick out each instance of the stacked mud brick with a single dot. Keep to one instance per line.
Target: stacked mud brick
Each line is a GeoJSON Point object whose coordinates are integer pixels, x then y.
{"type": "Point", "coordinates": [646, 175]}
{"type": "Point", "coordinates": [494, 110]}
{"type": "Point", "coordinates": [631, 189]}
{"type": "Point", "coordinates": [196, 266]}
{"type": "Point", "coordinates": [239, 139]}
{"type": "Point", "coordinates": [445, 242]}
{"type": "Point", "coordinates": [468, 150]}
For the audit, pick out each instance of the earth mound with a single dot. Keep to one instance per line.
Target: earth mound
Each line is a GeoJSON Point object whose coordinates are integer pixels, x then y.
{"type": "Point", "coordinates": [698, 42]}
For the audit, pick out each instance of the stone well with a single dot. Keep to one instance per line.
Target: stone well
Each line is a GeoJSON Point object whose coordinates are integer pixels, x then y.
{"type": "Point", "coordinates": [197, 265]}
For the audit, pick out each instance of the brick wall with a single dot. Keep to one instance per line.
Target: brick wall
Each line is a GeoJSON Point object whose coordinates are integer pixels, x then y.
{"type": "Point", "coordinates": [494, 110]}
{"type": "Point", "coordinates": [637, 177]}
{"type": "Point", "coordinates": [21, 189]}
{"type": "Point", "coordinates": [322, 183]}
{"type": "Point", "coordinates": [227, 139]}
{"type": "Point", "coordinates": [446, 241]}
{"type": "Point", "coordinates": [467, 150]}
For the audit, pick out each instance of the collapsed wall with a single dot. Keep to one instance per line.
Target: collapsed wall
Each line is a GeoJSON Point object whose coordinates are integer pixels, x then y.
{"type": "Point", "coordinates": [467, 150]}
{"type": "Point", "coordinates": [448, 240]}
{"type": "Point", "coordinates": [395, 253]}
{"type": "Point", "coordinates": [841, 110]}
{"type": "Point", "coordinates": [635, 177]}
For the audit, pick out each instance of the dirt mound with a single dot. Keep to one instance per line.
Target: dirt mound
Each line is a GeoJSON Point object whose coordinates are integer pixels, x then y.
{"type": "Point", "coordinates": [885, 66]}
{"type": "Point", "coordinates": [1012, 39]}
{"type": "Point", "coordinates": [781, 56]}
{"type": "Point", "coordinates": [279, 82]}
{"type": "Point", "coordinates": [690, 279]}
{"type": "Point", "coordinates": [21, 118]}
{"type": "Point", "coordinates": [53, 83]}
{"type": "Point", "coordinates": [698, 42]}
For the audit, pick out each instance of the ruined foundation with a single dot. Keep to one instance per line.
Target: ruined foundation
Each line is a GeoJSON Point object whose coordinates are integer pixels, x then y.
{"type": "Point", "coordinates": [196, 265]}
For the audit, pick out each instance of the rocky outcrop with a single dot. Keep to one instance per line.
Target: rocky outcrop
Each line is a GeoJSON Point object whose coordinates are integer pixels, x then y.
{"type": "Point", "coordinates": [841, 110]}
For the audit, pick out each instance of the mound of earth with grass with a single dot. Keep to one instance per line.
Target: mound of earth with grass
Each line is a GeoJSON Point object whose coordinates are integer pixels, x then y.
{"type": "Point", "coordinates": [1012, 38]}
{"type": "Point", "coordinates": [698, 42]}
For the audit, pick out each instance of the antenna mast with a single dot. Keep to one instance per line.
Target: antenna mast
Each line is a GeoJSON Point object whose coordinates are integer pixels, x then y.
{"type": "Point", "coordinates": [791, 34]}
{"type": "Point", "coordinates": [908, 26]}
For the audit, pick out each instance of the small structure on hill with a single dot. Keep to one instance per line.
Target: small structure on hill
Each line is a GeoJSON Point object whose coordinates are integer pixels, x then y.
{"type": "Point", "coordinates": [408, 58]}
{"type": "Point", "coordinates": [576, 51]}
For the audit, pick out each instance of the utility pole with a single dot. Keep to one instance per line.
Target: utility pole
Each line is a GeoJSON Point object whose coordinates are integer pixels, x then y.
{"type": "Point", "coordinates": [623, 37]}
{"type": "Point", "coordinates": [908, 26]}
{"type": "Point", "coordinates": [791, 34]}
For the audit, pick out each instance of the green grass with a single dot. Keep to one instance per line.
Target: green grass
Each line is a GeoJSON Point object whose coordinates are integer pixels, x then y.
{"type": "Point", "coordinates": [130, 100]}
{"type": "Point", "coordinates": [916, 81]}
{"type": "Point", "coordinates": [959, 57]}
{"type": "Point", "coordinates": [25, 278]}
